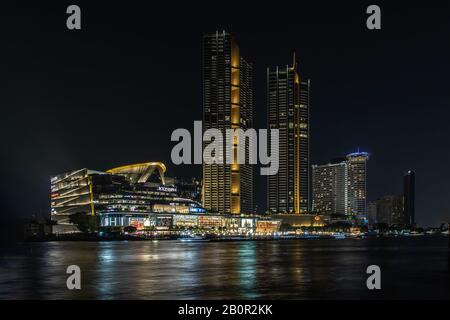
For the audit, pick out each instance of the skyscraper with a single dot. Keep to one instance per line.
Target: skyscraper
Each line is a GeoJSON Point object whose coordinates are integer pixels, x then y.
{"type": "Point", "coordinates": [288, 103]}
{"type": "Point", "coordinates": [227, 104]}
{"type": "Point", "coordinates": [340, 187]}
{"type": "Point", "coordinates": [329, 183]}
{"type": "Point", "coordinates": [304, 132]}
{"type": "Point", "coordinates": [357, 183]}
{"type": "Point", "coordinates": [409, 186]}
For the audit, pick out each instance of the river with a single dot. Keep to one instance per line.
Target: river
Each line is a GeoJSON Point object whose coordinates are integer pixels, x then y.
{"type": "Point", "coordinates": [411, 268]}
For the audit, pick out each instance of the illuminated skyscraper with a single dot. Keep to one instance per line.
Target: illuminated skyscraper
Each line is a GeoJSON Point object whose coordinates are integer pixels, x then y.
{"type": "Point", "coordinates": [329, 183]}
{"type": "Point", "coordinates": [341, 187]}
{"type": "Point", "coordinates": [227, 103]}
{"type": "Point", "coordinates": [288, 111]}
{"type": "Point", "coordinates": [357, 183]}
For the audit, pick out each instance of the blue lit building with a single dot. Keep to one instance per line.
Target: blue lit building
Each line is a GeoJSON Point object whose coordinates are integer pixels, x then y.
{"type": "Point", "coordinates": [340, 187]}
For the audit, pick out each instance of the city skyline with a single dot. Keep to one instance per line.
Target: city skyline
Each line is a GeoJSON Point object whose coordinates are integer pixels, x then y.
{"type": "Point", "coordinates": [224, 160]}
{"type": "Point", "coordinates": [367, 80]}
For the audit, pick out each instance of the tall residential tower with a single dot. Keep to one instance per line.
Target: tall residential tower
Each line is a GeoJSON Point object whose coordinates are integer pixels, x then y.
{"type": "Point", "coordinates": [329, 183]}
{"type": "Point", "coordinates": [288, 106]}
{"type": "Point", "coordinates": [357, 183]}
{"type": "Point", "coordinates": [340, 187]}
{"type": "Point", "coordinates": [227, 104]}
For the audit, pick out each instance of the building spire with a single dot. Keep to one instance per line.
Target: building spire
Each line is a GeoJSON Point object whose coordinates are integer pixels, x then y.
{"type": "Point", "coordinates": [294, 62]}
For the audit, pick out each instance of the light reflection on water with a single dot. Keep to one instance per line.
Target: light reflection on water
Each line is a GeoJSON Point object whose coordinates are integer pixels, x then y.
{"type": "Point", "coordinates": [323, 269]}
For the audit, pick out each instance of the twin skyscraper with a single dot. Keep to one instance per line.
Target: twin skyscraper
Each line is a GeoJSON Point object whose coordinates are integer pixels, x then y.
{"type": "Point", "coordinates": [228, 104]}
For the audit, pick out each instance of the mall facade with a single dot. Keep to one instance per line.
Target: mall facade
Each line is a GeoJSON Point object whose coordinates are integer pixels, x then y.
{"type": "Point", "coordinates": [140, 195]}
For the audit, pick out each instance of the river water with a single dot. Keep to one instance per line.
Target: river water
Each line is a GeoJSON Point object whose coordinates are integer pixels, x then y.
{"type": "Point", "coordinates": [411, 268]}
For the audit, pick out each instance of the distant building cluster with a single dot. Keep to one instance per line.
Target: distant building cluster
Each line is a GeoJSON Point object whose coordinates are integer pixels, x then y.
{"type": "Point", "coordinates": [395, 210]}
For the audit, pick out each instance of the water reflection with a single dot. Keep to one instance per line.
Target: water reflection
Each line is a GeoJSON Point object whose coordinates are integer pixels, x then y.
{"type": "Point", "coordinates": [226, 270]}
{"type": "Point", "coordinates": [247, 269]}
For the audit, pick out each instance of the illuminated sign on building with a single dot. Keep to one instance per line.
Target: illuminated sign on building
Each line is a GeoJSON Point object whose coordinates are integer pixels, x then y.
{"type": "Point", "coordinates": [167, 189]}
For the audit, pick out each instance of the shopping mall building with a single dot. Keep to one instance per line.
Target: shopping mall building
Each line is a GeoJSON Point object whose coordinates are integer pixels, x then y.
{"type": "Point", "coordinates": [139, 195]}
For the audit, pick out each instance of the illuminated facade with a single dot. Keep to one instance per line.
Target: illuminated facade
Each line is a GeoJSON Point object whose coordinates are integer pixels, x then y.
{"type": "Point", "coordinates": [357, 183]}
{"type": "Point", "coordinates": [288, 106]}
{"type": "Point", "coordinates": [176, 222]}
{"type": "Point", "coordinates": [136, 195]}
{"type": "Point", "coordinates": [124, 193]}
{"type": "Point", "coordinates": [267, 226]}
{"type": "Point", "coordinates": [329, 183]}
{"type": "Point", "coordinates": [72, 193]}
{"type": "Point", "coordinates": [302, 220]}
{"type": "Point", "coordinates": [142, 172]}
{"type": "Point", "coordinates": [341, 187]}
{"type": "Point", "coordinates": [227, 104]}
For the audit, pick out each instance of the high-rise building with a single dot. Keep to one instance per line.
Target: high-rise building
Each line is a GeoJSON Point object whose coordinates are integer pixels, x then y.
{"type": "Point", "coordinates": [390, 210]}
{"type": "Point", "coordinates": [304, 146]}
{"type": "Point", "coordinates": [227, 104]}
{"type": "Point", "coordinates": [329, 183]}
{"type": "Point", "coordinates": [288, 103]}
{"type": "Point", "coordinates": [409, 186]}
{"type": "Point", "coordinates": [357, 183]}
{"type": "Point", "coordinates": [340, 187]}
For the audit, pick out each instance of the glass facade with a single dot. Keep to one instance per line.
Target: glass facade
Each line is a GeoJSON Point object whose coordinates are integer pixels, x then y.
{"type": "Point", "coordinates": [288, 106]}
{"type": "Point", "coordinates": [134, 196]}
{"type": "Point", "coordinates": [329, 184]}
{"type": "Point", "coordinates": [227, 104]}
{"type": "Point", "coordinates": [341, 187]}
{"type": "Point", "coordinates": [118, 195]}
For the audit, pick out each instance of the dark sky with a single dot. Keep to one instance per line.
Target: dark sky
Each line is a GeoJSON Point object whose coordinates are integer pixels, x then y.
{"type": "Point", "coordinates": [112, 93]}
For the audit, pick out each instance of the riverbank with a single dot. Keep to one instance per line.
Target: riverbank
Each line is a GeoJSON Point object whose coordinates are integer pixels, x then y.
{"type": "Point", "coordinates": [212, 238]}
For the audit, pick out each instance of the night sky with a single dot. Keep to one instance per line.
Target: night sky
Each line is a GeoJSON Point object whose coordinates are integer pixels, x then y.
{"type": "Point", "coordinates": [113, 92]}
